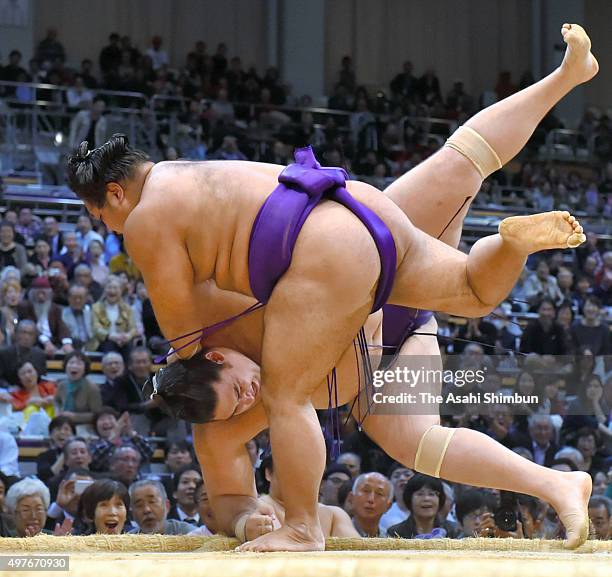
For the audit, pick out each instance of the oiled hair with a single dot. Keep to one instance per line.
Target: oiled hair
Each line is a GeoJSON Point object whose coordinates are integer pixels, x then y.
{"type": "Point", "coordinates": [89, 171]}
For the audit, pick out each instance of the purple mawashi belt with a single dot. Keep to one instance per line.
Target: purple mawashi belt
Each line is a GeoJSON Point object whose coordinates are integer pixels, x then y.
{"type": "Point", "coordinates": [279, 221]}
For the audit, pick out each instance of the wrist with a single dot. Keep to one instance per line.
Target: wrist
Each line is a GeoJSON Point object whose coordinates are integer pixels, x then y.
{"type": "Point", "coordinates": [240, 527]}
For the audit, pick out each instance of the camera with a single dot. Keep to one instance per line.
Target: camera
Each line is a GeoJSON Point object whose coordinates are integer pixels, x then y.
{"type": "Point", "coordinates": [508, 513]}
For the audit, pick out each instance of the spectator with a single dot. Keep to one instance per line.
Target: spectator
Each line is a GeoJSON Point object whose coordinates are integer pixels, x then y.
{"type": "Point", "coordinates": [53, 333]}
{"type": "Point", "coordinates": [77, 397]}
{"type": "Point", "coordinates": [600, 511]}
{"type": "Point", "coordinates": [185, 481]}
{"type": "Point", "coordinates": [113, 320]}
{"type": "Point", "coordinates": [178, 454]}
{"type": "Point", "coordinates": [370, 498]}
{"type": "Point", "coordinates": [97, 264]}
{"type": "Point", "coordinates": [424, 496]}
{"type": "Point", "coordinates": [77, 317]}
{"type": "Point", "coordinates": [11, 253]}
{"type": "Point", "coordinates": [352, 462]}
{"type": "Point", "coordinates": [27, 226]}
{"type": "Point", "coordinates": [110, 56]}
{"type": "Point", "coordinates": [589, 409]}
{"type": "Point", "coordinates": [221, 109]}
{"type": "Point", "coordinates": [104, 507]}
{"type": "Point", "coordinates": [479, 330]}
{"type": "Point", "coordinates": [150, 507]}
{"type": "Point", "coordinates": [42, 255]}
{"type": "Point", "coordinates": [112, 367]}
{"type": "Point", "coordinates": [9, 455]}
{"type": "Point", "coordinates": [33, 394]}
{"type": "Point", "coordinates": [78, 95]}
{"type": "Point", "coordinates": [333, 477]}
{"type": "Point", "coordinates": [51, 461]}
{"type": "Point", "coordinates": [590, 331]}
{"type": "Point", "coordinates": [158, 56]}
{"type": "Point", "coordinates": [115, 431]}
{"type": "Point", "coordinates": [58, 279]}
{"type": "Point", "coordinates": [89, 124]}
{"type": "Point", "coordinates": [86, 233]}
{"type": "Point", "coordinates": [228, 150]}
{"type": "Point", "coordinates": [471, 505]}
{"type": "Point", "coordinates": [28, 500]}
{"type": "Point", "coordinates": [83, 277]}
{"type": "Point", "coordinates": [209, 526]}
{"type": "Point", "coordinates": [52, 235]}
{"type": "Point", "coordinates": [63, 512]}
{"type": "Point", "coordinates": [13, 70]}
{"type": "Point", "coordinates": [88, 78]}
{"type": "Point", "coordinates": [10, 296]}
{"type": "Point", "coordinates": [565, 318]}
{"type": "Point", "coordinates": [542, 433]}
{"type": "Point", "coordinates": [23, 349]}
{"type": "Point", "coordinates": [124, 464]}
{"type": "Point", "coordinates": [398, 512]}
{"type": "Point", "coordinates": [502, 428]}
{"type": "Point", "coordinates": [71, 253]}
{"type": "Point", "coordinates": [586, 443]}
{"type": "Point", "coordinates": [541, 284]}
{"type": "Point", "coordinates": [569, 454]}
{"type": "Point", "coordinates": [404, 85]}
{"type": "Point", "coordinates": [544, 335]}
{"type": "Point", "coordinates": [600, 483]}
{"type": "Point", "coordinates": [50, 49]}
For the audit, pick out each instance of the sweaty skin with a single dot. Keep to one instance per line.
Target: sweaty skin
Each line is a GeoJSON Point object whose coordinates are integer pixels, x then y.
{"type": "Point", "coordinates": [328, 289]}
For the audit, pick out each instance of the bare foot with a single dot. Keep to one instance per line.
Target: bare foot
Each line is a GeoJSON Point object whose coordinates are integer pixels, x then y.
{"type": "Point", "coordinates": [578, 63]}
{"type": "Point", "coordinates": [287, 538]}
{"type": "Point", "coordinates": [571, 503]}
{"type": "Point", "coordinates": [545, 231]}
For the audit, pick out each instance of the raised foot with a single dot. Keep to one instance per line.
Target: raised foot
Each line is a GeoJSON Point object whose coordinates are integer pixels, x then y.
{"type": "Point", "coordinates": [287, 539]}
{"type": "Point", "coordinates": [545, 231]}
{"type": "Point", "coordinates": [578, 63]}
{"type": "Point", "coordinates": [571, 503]}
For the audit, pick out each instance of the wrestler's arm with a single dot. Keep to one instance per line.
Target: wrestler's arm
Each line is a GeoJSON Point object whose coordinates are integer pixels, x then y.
{"type": "Point", "coordinates": [341, 524]}
{"type": "Point", "coordinates": [160, 254]}
{"type": "Point", "coordinates": [226, 465]}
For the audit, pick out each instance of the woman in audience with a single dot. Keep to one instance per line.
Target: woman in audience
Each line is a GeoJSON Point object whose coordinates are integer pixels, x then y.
{"type": "Point", "coordinates": [33, 393]}
{"type": "Point", "coordinates": [11, 252]}
{"type": "Point", "coordinates": [113, 320]}
{"type": "Point", "coordinates": [104, 506]}
{"type": "Point", "coordinates": [97, 263]}
{"type": "Point", "coordinates": [28, 501]}
{"type": "Point", "coordinates": [589, 409]}
{"type": "Point", "coordinates": [424, 497]}
{"type": "Point", "coordinates": [10, 298]}
{"type": "Point", "coordinates": [77, 397]}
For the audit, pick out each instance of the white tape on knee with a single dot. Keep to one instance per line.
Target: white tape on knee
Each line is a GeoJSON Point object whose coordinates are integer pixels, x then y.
{"type": "Point", "coordinates": [431, 450]}
{"type": "Point", "coordinates": [476, 149]}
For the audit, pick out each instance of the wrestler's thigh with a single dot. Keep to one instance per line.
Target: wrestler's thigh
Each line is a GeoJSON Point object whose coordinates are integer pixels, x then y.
{"type": "Point", "coordinates": [398, 428]}
{"type": "Point", "coordinates": [315, 312]}
{"type": "Point", "coordinates": [433, 191]}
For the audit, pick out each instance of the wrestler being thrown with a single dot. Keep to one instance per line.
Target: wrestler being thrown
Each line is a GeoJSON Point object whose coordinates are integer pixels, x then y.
{"type": "Point", "coordinates": [213, 238]}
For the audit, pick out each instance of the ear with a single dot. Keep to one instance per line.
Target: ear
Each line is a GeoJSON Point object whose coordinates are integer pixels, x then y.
{"type": "Point", "coordinates": [215, 357]}
{"type": "Point", "coordinates": [114, 193]}
{"type": "Point", "coordinates": [268, 476]}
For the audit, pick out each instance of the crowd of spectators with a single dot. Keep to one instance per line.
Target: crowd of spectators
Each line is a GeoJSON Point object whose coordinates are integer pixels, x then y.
{"type": "Point", "coordinates": [66, 295]}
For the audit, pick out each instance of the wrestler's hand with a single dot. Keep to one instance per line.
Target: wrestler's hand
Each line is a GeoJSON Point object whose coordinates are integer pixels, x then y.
{"type": "Point", "coordinates": [263, 520]}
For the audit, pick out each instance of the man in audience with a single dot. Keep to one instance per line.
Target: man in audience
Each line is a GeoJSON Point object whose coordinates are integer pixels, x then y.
{"type": "Point", "coordinates": [51, 233]}
{"type": "Point", "coordinates": [542, 434]}
{"type": "Point", "coordinates": [352, 462]}
{"type": "Point", "coordinates": [83, 277]}
{"type": "Point", "coordinates": [370, 498]}
{"type": "Point", "coordinates": [544, 335]}
{"type": "Point", "coordinates": [150, 505]}
{"type": "Point", "coordinates": [471, 505]}
{"type": "Point", "coordinates": [185, 481]}
{"type": "Point", "coordinates": [600, 512]}
{"type": "Point", "coordinates": [77, 318]}
{"type": "Point", "coordinates": [334, 475]}
{"type": "Point", "coordinates": [86, 233]}
{"type": "Point", "coordinates": [124, 464]}
{"type": "Point", "coordinates": [112, 392]}
{"type": "Point", "coordinates": [51, 462]}
{"type": "Point", "coordinates": [53, 334]}
{"type": "Point", "coordinates": [76, 456]}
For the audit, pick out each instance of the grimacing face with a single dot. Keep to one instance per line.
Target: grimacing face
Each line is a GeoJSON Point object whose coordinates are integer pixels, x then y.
{"type": "Point", "coordinates": [239, 384]}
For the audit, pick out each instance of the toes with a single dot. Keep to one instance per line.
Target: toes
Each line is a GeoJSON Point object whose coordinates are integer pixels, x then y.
{"type": "Point", "coordinates": [578, 229]}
